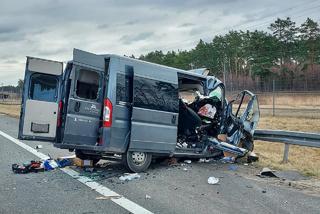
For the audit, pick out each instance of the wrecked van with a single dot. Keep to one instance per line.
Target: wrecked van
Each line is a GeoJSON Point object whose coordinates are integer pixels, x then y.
{"type": "Point", "coordinates": [105, 106]}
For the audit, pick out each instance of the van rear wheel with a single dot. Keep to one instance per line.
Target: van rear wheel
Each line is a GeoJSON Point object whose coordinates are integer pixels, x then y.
{"type": "Point", "coordinates": [136, 161]}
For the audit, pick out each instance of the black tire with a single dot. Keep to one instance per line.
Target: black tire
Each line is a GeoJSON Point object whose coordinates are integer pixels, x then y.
{"type": "Point", "coordinates": [136, 161]}
{"type": "Point", "coordinates": [81, 155]}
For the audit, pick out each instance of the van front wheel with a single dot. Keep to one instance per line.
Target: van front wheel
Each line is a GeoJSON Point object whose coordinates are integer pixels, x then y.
{"type": "Point", "coordinates": [136, 161]}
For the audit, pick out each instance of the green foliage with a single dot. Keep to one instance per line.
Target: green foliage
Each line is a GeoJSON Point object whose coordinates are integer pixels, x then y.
{"type": "Point", "coordinates": [258, 54]}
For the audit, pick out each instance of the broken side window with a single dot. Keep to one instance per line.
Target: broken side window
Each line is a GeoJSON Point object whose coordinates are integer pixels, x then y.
{"type": "Point", "coordinates": [87, 84]}
{"type": "Point", "coordinates": [156, 95]}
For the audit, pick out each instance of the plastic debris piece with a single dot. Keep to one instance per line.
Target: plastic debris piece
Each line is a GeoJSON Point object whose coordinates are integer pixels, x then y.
{"type": "Point", "coordinates": [32, 166]}
{"type": "Point", "coordinates": [39, 146]}
{"type": "Point", "coordinates": [50, 164]}
{"type": "Point", "coordinates": [187, 161]}
{"type": "Point", "coordinates": [266, 172]}
{"type": "Point", "coordinates": [213, 180]}
{"type": "Point", "coordinates": [185, 169]}
{"type": "Point", "coordinates": [64, 162]}
{"type": "Point", "coordinates": [148, 197]}
{"type": "Point", "coordinates": [202, 160]}
{"type": "Point", "coordinates": [252, 157]}
{"type": "Point", "coordinates": [228, 159]}
{"type": "Point", "coordinates": [129, 176]}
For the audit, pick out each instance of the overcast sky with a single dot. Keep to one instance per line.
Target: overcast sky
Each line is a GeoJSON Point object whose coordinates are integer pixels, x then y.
{"type": "Point", "coordinates": [51, 29]}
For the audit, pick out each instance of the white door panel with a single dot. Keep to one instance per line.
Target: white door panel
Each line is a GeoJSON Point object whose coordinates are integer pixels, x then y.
{"type": "Point", "coordinates": [43, 116]}
{"type": "Point", "coordinates": [45, 66]}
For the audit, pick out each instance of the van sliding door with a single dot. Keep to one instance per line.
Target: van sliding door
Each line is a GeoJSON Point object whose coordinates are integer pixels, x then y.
{"type": "Point", "coordinates": [155, 110]}
{"type": "Point", "coordinates": [40, 98]}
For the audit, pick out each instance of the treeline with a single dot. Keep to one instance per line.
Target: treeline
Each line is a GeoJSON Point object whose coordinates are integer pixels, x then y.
{"type": "Point", "coordinates": [287, 52]}
{"type": "Point", "coordinates": [12, 89]}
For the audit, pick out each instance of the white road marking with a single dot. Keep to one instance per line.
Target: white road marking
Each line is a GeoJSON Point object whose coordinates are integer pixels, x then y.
{"type": "Point", "coordinates": [115, 197]}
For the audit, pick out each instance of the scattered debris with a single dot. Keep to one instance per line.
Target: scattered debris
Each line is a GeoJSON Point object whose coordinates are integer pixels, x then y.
{"type": "Point", "coordinates": [284, 175]}
{"type": "Point", "coordinates": [213, 180]}
{"type": "Point", "coordinates": [246, 164]}
{"type": "Point", "coordinates": [252, 157]}
{"type": "Point", "coordinates": [264, 191]}
{"type": "Point", "coordinates": [32, 166]}
{"type": "Point", "coordinates": [82, 163]}
{"type": "Point", "coordinates": [185, 169]}
{"type": "Point", "coordinates": [202, 160]}
{"type": "Point", "coordinates": [228, 159]}
{"type": "Point", "coordinates": [266, 172]}
{"type": "Point", "coordinates": [38, 147]}
{"type": "Point", "coordinates": [129, 176]}
{"type": "Point", "coordinates": [50, 164]}
{"type": "Point", "coordinates": [148, 197]}
{"type": "Point", "coordinates": [187, 161]}
{"type": "Point", "coordinates": [64, 162]}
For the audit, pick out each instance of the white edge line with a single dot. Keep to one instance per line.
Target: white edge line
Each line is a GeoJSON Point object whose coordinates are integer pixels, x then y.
{"type": "Point", "coordinates": [115, 197]}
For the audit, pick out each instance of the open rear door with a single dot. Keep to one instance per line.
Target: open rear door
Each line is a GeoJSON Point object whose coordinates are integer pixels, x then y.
{"type": "Point", "coordinates": [40, 99]}
{"type": "Point", "coordinates": [155, 110]}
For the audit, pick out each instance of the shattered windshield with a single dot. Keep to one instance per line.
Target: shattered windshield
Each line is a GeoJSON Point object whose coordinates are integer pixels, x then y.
{"type": "Point", "coordinates": [217, 92]}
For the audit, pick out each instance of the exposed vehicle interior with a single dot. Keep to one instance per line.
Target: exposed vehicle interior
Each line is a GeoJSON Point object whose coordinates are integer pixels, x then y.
{"type": "Point", "coordinates": [199, 115]}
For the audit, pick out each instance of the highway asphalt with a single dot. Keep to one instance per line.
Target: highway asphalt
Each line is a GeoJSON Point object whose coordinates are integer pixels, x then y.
{"type": "Point", "coordinates": [162, 189]}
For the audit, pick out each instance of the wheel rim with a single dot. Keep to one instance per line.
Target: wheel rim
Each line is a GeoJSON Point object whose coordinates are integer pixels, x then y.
{"type": "Point", "coordinates": [138, 158]}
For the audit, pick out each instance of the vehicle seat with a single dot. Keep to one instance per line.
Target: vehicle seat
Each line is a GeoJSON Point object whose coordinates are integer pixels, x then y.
{"type": "Point", "coordinates": [188, 119]}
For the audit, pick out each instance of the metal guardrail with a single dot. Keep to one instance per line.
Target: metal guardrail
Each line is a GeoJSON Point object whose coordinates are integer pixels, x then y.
{"type": "Point", "coordinates": [288, 137]}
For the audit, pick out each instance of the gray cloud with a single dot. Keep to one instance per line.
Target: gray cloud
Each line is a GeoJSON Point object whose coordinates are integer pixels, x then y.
{"type": "Point", "coordinates": [187, 24]}
{"type": "Point", "coordinates": [51, 29]}
{"type": "Point", "coordinates": [128, 39]}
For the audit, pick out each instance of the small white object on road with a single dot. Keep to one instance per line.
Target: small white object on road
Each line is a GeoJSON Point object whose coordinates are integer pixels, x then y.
{"type": "Point", "coordinates": [213, 180]}
{"type": "Point", "coordinates": [187, 161]}
{"type": "Point", "coordinates": [202, 160]}
{"type": "Point", "coordinates": [39, 146]}
{"type": "Point", "coordinates": [185, 169]}
{"type": "Point", "coordinates": [148, 197]}
{"type": "Point", "coordinates": [129, 176]}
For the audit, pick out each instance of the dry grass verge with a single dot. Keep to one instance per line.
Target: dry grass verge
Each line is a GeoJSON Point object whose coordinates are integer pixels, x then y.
{"type": "Point", "coordinates": [303, 159]}
{"type": "Point", "coordinates": [11, 110]}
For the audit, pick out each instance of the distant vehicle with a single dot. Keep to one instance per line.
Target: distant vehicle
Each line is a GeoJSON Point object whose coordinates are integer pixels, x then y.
{"type": "Point", "coordinates": [102, 105]}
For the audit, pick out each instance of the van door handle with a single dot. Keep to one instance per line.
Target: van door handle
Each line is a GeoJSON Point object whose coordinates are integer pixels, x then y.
{"type": "Point", "coordinates": [77, 107]}
{"type": "Point", "coordinates": [173, 119]}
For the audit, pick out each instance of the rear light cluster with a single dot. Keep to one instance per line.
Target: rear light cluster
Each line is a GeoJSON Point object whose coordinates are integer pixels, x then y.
{"type": "Point", "coordinates": [59, 118]}
{"type": "Point", "coordinates": [107, 113]}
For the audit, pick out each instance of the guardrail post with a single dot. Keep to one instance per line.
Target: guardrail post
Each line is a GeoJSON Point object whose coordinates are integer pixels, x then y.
{"type": "Point", "coordinates": [286, 153]}
{"type": "Point", "coordinates": [273, 98]}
